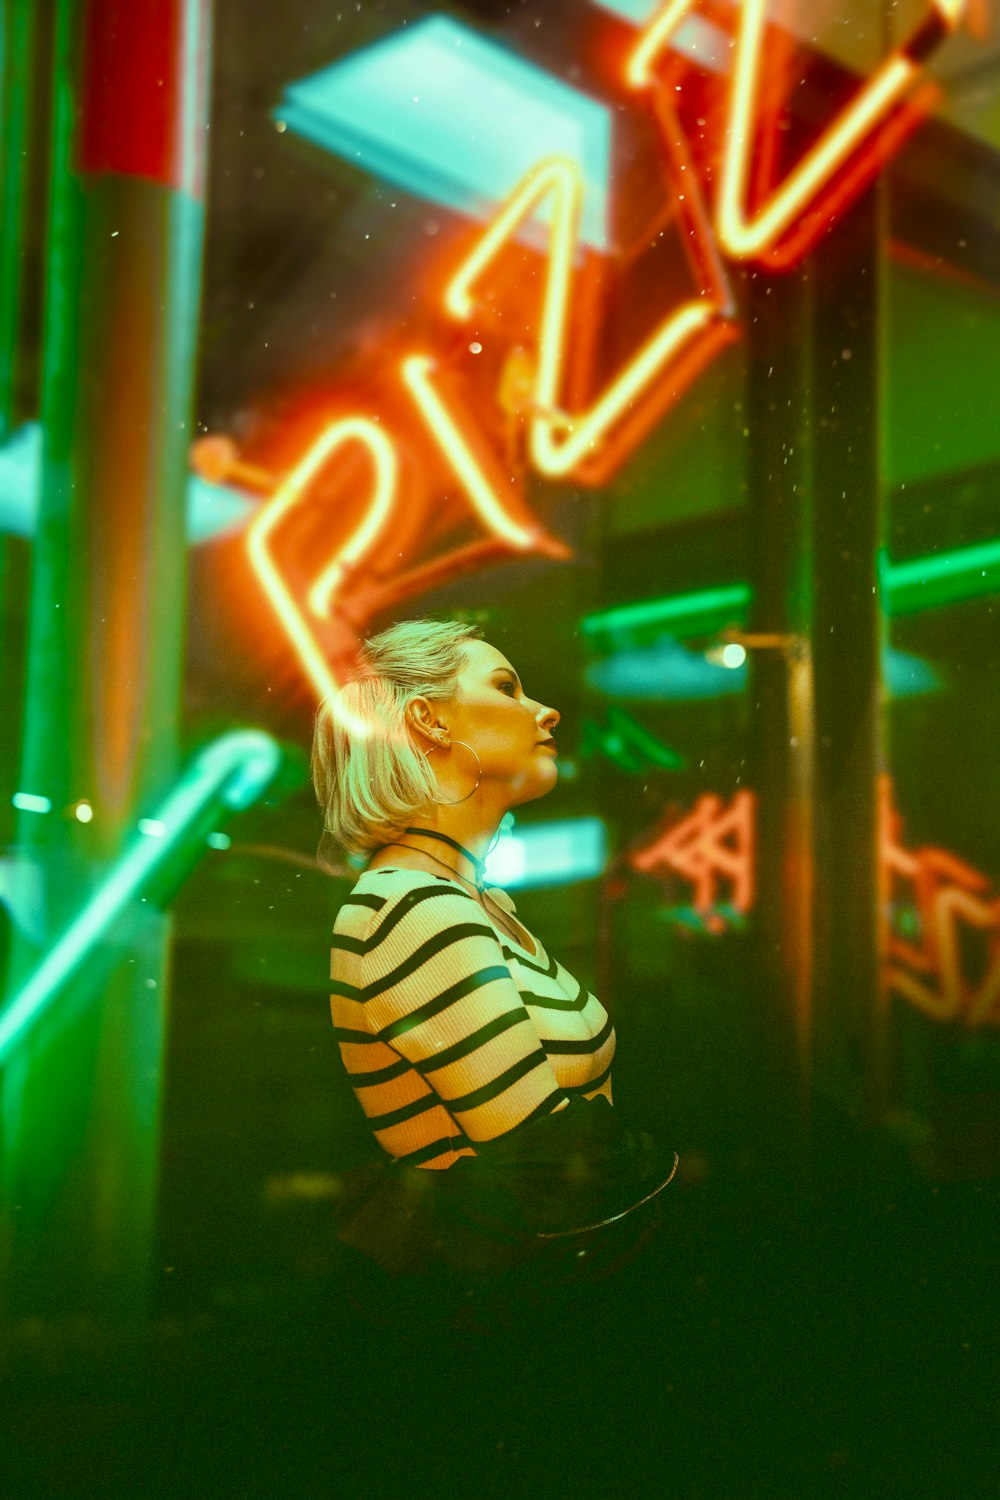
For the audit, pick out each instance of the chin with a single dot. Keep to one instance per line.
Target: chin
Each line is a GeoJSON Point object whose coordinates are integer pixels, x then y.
{"type": "Point", "coordinates": [538, 784]}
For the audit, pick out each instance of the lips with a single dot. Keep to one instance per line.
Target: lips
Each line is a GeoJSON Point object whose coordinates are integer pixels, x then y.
{"type": "Point", "coordinates": [548, 744]}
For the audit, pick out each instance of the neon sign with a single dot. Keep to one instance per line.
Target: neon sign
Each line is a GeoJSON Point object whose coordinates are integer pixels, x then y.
{"type": "Point", "coordinates": [760, 232]}
{"type": "Point", "coordinates": [947, 965]}
{"type": "Point", "coordinates": [538, 347]}
{"type": "Point", "coordinates": [952, 973]}
{"type": "Point", "coordinates": [713, 848]}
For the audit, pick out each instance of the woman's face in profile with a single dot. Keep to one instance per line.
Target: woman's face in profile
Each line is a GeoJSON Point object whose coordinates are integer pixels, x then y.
{"type": "Point", "coordinates": [510, 732]}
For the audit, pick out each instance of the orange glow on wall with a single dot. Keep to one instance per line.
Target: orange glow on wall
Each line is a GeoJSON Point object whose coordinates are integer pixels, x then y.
{"type": "Point", "coordinates": [713, 846]}
{"type": "Point", "coordinates": [750, 234]}
{"type": "Point", "coordinates": [955, 912]}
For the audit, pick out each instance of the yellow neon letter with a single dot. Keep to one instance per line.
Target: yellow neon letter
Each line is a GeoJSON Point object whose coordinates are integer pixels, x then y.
{"type": "Point", "coordinates": [561, 442]}
{"type": "Point", "coordinates": [290, 493]}
{"type": "Point", "coordinates": [416, 372]}
{"type": "Point", "coordinates": [745, 235]}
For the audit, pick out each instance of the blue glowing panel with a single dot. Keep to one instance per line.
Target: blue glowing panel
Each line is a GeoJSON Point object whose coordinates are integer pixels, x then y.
{"type": "Point", "coordinates": [20, 460]}
{"type": "Point", "coordinates": [452, 117]}
{"type": "Point", "coordinates": [549, 854]}
{"type": "Point", "coordinates": [695, 37]}
{"type": "Point", "coordinates": [666, 671]}
{"type": "Point", "coordinates": [213, 510]}
{"type": "Point", "coordinates": [908, 676]}
{"type": "Point", "coordinates": [669, 671]}
{"type": "Point", "coordinates": [636, 12]}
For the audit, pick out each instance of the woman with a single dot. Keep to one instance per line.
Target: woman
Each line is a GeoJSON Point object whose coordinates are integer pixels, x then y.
{"type": "Point", "coordinates": [483, 1067]}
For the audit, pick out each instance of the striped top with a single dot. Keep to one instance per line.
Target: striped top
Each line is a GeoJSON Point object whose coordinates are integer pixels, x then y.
{"type": "Point", "coordinates": [452, 1033]}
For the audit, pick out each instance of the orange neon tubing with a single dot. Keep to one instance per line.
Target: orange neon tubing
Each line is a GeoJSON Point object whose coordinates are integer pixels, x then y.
{"type": "Point", "coordinates": [560, 442]}
{"type": "Point", "coordinates": [416, 372]}
{"type": "Point", "coordinates": [745, 236]}
{"type": "Point", "coordinates": [290, 493]}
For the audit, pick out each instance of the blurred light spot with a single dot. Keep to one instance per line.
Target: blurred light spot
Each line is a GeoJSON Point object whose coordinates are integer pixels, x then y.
{"type": "Point", "coordinates": [152, 828]}
{"type": "Point", "coordinates": [218, 841]}
{"type": "Point", "coordinates": [30, 802]}
{"type": "Point", "coordinates": [83, 812]}
{"type": "Point", "coordinates": [549, 854]}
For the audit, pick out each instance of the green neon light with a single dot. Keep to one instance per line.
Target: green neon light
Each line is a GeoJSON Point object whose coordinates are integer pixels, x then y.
{"type": "Point", "coordinates": [234, 770]}
{"type": "Point", "coordinates": [628, 744]}
{"type": "Point", "coordinates": [941, 578]}
{"type": "Point", "coordinates": [906, 587]}
{"type": "Point", "coordinates": [638, 738]}
{"type": "Point", "coordinates": [700, 606]}
{"type": "Point", "coordinates": [602, 742]}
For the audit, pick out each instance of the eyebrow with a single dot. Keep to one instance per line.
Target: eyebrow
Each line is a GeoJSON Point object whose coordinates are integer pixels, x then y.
{"type": "Point", "coordinates": [509, 672]}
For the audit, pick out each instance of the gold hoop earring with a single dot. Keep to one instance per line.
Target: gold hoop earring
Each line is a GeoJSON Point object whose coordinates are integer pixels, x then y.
{"type": "Point", "coordinates": [453, 802]}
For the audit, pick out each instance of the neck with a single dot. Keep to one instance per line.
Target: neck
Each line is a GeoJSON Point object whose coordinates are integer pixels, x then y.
{"type": "Point", "coordinates": [470, 828]}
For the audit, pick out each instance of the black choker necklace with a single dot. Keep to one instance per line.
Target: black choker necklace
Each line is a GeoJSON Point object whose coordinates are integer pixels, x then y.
{"type": "Point", "coordinates": [477, 864]}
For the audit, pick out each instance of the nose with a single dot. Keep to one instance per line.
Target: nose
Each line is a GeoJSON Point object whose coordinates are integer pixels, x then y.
{"type": "Point", "coordinates": [547, 718]}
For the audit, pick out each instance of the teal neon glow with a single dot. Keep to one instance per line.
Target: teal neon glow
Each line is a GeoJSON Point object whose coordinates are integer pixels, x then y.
{"type": "Point", "coordinates": [234, 771]}
{"type": "Point", "coordinates": [31, 802]}
{"type": "Point", "coordinates": [941, 578]}
{"type": "Point", "coordinates": [664, 671]}
{"type": "Point", "coordinates": [635, 12]}
{"type": "Point", "coordinates": [549, 854]}
{"type": "Point", "coordinates": [452, 117]}
{"type": "Point", "coordinates": [908, 676]}
{"type": "Point", "coordinates": [668, 672]}
{"type": "Point", "coordinates": [695, 37]}
{"type": "Point", "coordinates": [721, 919]}
{"type": "Point", "coordinates": [213, 510]}
{"type": "Point", "coordinates": [730, 601]}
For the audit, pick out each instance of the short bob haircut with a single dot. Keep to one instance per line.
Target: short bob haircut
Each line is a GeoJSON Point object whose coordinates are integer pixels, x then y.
{"type": "Point", "coordinates": [370, 785]}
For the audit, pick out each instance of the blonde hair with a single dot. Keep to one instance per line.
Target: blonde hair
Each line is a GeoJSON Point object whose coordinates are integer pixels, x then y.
{"type": "Point", "coordinates": [370, 778]}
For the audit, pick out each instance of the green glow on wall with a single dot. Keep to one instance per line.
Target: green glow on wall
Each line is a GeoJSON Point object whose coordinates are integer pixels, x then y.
{"type": "Point", "coordinates": [698, 609]}
{"type": "Point", "coordinates": [234, 770]}
{"type": "Point", "coordinates": [921, 583]}
{"type": "Point", "coordinates": [941, 578]}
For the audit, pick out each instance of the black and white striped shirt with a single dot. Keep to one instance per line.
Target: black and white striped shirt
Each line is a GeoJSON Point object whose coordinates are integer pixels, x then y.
{"type": "Point", "coordinates": [451, 1033]}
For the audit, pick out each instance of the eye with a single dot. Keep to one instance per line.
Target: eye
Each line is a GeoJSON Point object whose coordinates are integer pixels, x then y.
{"type": "Point", "coordinates": [509, 686]}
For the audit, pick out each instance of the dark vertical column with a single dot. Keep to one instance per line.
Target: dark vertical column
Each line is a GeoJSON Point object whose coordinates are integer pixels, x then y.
{"type": "Point", "coordinates": [778, 311]}
{"type": "Point", "coordinates": [846, 652]}
{"type": "Point", "coordinates": [813, 477]}
{"type": "Point", "coordinates": [80, 1098]}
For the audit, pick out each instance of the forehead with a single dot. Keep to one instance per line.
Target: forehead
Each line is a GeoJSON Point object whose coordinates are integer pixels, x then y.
{"type": "Point", "coordinates": [481, 659]}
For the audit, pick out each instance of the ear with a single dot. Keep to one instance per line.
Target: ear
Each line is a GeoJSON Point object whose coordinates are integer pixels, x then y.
{"type": "Point", "coordinates": [424, 721]}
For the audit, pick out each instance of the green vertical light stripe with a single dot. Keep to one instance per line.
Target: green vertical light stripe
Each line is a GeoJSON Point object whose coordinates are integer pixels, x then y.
{"type": "Point", "coordinates": [16, 40]}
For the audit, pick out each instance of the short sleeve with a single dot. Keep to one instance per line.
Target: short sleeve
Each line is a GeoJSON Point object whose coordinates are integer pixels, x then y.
{"type": "Point", "coordinates": [437, 989]}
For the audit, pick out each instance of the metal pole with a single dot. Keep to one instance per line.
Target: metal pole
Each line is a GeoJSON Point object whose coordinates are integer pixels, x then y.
{"type": "Point", "coordinates": [80, 1099]}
